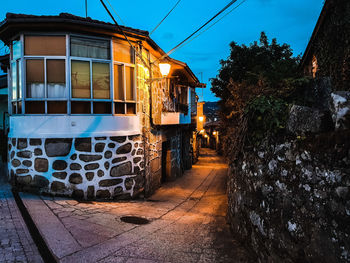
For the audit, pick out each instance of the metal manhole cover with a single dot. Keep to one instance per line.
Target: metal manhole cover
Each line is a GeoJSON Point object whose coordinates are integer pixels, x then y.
{"type": "Point", "coordinates": [134, 220]}
{"type": "Point", "coordinates": [154, 200]}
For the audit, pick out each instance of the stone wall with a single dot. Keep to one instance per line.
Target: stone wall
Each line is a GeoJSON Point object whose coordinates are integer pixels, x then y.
{"type": "Point", "coordinates": [99, 167]}
{"type": "Point", "coordinates": [153, 160]}
{"type": "Point", "coordinates": [290, 201]}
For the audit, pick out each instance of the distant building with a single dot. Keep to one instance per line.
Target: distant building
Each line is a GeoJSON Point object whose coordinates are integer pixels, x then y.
{"type": "Point", "coordinates": [90, 116]}
{"type": "Point", "coordinates": [328, 51]}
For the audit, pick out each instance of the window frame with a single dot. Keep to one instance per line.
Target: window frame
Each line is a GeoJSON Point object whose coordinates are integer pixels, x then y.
{"type": "Point", "coordinates": [45, 99]}
{"type": "Point", "coordinates": [91, 61]}
{"type": "Point", "coordinates": [125, 64]}
{"type": "Point", "coordinates": [20, 79]}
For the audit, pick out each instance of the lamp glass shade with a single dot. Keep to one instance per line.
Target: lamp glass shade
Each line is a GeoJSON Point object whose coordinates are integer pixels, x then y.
{"type": "Point", "coordinates": [164, 68]}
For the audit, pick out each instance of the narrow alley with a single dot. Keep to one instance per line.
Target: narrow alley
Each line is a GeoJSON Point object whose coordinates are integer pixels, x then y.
{"type": "Point", "coordinates": [186, 223]}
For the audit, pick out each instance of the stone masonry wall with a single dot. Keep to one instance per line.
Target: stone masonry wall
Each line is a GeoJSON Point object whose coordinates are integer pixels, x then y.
{"type": "Point", "coordinates": [290, 201]}
{"type": "Point", "coordinates": [99, 167]}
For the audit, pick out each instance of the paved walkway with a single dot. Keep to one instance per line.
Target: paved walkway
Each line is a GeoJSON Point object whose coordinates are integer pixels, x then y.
{"type": "Point", "coordinates": [16, 244]}
{"type": "Point", "coordinates": [187, 223]}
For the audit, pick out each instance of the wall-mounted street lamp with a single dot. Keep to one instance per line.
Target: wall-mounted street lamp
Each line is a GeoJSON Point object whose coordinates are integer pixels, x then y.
{"type": "Point", "coordinates": [201, 118]}
{"type": "Point", "coordinates": [214, 133]}
{"type": "Point", "coordinates": [164, 70]}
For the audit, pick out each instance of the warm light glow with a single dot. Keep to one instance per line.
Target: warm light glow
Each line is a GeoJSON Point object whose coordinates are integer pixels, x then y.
{"type": "Point", "coordinates": [206, 136]}
{"type": "Point", "coordinates": [201, 118]}
{"type": "Point", "coordinates": [214, 133]}
{"type": "Point", "coordinates": [202, 131]}
{"type": "Point", "coordinates": [164, 69]}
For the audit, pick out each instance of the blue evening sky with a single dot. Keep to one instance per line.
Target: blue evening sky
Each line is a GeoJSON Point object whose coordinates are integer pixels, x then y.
{"type": "Point", "coordinates": [290, 22]}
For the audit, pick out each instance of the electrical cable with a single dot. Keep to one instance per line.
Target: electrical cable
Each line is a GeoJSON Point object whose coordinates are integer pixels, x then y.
{"type": "Point", "coordinates": [206, 23]}
{"type": "Point", "coordinates": [122, 31]}
{"type": "Point", "coordinates": [115, 12]}
{"type": "Point", "coordinates": [165, 17]}
{"type": "Point", "coordinates": [234, 8]}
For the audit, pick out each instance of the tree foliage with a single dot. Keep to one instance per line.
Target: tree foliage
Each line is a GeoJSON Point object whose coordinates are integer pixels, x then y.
{"type": "Point", "coordinates": [255, 83]}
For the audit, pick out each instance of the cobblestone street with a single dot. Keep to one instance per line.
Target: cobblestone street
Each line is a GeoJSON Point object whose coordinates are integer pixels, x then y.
{"type": "Point", "coordinates": [16, 244]}
{"type": "Point", "coordinates": [186, 223]}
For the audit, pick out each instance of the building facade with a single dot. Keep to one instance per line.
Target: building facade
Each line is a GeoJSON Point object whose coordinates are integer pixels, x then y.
{"type": "Point", "coordinates": [91, 113]}
{"type": "Point", "coordinates": [328, 51]}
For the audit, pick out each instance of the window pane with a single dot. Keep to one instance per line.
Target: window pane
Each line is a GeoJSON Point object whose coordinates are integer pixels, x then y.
{"type": "Point", "coordinates": [35, 107]}
{"type": "Point", "coordinates": [80, 79]}
{"type": "Point", "coordinates": [129, 76]}
{"type": "Point", "coordinates": [19, 79]}
{"type": "Point", "coordinates": [14, 107]}
{"type": "Point", "coordinates": [35, 78]}
{"type": "Point", "coordinates": [119, 108]}
{"type": "Point", "coordinates": [102, 108]}
{"type": "Point", "coordinates": [131, 108]}
{"type": "Point", "coordinates": [123, 53]}
{"type": "Point", "coordinates": [80, 107]}
{"type": "Point", "coordinates": [16, 50]}
{"type": "Point", "coordinates": [89, 48]}
{"type": "Point", "coordinates": [118, 82]}
{"type": "Point", "coordinates": [100, 80]}
{"type": "Point", "coordinates": [56, 79]}
{"type": "Point", "coordinates": [45, 45]}
{"type": "Point", "coordinates": [14, 80]}
{"type": "Point", "coordinates": [57, 107]}
{"type": "Point", "coordinates": [19, 107]}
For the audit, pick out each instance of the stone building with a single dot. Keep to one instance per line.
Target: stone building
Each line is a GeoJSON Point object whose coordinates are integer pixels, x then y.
{"type": "Point", "coordinates": [328, 51]}
{"type": "Point", "coordinates": [92, 115]}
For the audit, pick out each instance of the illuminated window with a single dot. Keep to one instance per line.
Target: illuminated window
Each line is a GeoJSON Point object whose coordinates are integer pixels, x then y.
{"type": "Point", "coordinates": [124, 78]}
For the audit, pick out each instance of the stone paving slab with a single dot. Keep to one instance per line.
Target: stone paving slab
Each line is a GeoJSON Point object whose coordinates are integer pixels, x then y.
{"type": "Point", "coordinates": [16, 244]}
{"type": "Point", "coordinates": [187, 223]}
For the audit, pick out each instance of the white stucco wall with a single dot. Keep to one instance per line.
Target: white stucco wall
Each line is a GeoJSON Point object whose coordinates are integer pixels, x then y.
{"type": "Point", "coordinates": [72, 126]}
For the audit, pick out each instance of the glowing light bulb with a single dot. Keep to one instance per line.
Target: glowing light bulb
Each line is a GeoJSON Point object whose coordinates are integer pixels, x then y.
{"type": "Point", "coordinates": [164, 69]}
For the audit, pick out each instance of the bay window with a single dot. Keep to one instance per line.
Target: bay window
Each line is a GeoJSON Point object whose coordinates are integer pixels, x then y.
{"type": "Point", "coordinates": [72, 75]}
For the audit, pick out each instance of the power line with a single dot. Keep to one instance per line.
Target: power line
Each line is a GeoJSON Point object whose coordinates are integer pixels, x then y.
{"type": "Point", "coordinates": [115, 12]}
{"type": "Point", "coordinates": [165, 17]}
{"type": "Point", "coordinates": [234, 8]}
{"type": "Point", "coordinates": [182, 42]}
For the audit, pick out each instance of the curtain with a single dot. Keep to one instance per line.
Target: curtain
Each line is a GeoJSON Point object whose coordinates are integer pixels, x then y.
{"type": "Point", "coordinates": [89, 48]}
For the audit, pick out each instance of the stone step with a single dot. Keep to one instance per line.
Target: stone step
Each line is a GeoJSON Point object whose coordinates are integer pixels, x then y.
{"type": "Point", "coordinates": [58, 239]}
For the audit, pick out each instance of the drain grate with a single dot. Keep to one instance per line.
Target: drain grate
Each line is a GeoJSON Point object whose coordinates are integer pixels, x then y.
{"type": "Point", "coordinates": [135, 220]}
